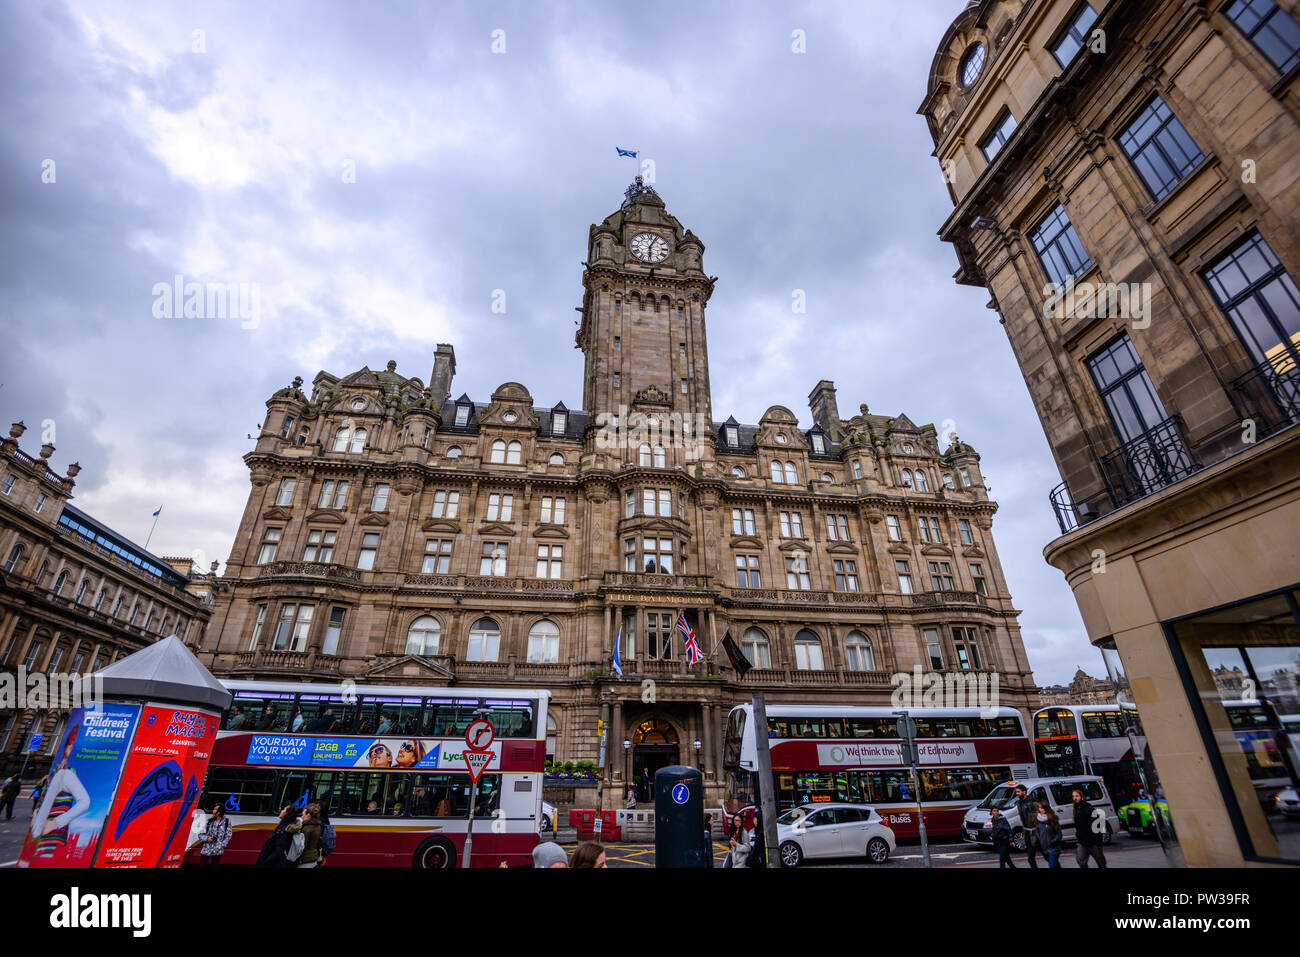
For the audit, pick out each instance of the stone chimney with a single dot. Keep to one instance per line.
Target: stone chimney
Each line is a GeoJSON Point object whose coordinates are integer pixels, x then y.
{"type": "Point", "coordinates": [825, 411]}
{"type": "Point", "coordinates": [444, 368]}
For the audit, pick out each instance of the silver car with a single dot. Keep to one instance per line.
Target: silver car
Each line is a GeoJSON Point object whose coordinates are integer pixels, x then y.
{"type": "Point", "coordinates": [833, 830]}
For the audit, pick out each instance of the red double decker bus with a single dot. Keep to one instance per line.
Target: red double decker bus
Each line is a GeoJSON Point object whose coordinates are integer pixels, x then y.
{"type": "Point", "coordinates": [389, 762]}
{"type": "Point", "coordinates": [846, 754]}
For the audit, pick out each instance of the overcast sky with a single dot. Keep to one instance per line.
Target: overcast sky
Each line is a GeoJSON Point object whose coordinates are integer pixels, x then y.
{"type": "Point", "coordinates": [221, 156]}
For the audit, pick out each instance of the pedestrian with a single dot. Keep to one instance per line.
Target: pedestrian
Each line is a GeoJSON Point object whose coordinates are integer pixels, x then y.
{"type": "Point", "coordinates": [645, 785]}
{"type": "Point", "coordinates": [589, 854]}
{"type": "Point", "coordinates": [1028, 812]}
{"type": "Point", "coordinates": [549, 854]}
{"type": "Point", "coordinates": [1049, 834]}
{"type": "Point", "coordinates": [758, 853]}
{"type": "Point", "coordinates": [328, 837]}
{"type": "Point", "coordinates": [39, 791]}
{"type": "Point", "coordinates": [9, 793]}
{"type": "Point", "coordinates": [708, 840]}
{"type": "Point", "coordinates": [309, 827]}
{"type": "Point", "coordinates": [631, 799]}
{"type": "Point", "coordinates": [276, 848]}
{"type": "Point", "coordinates": [1002, 839]}
{"type": "Point", "coordinates": [1088, 821]}
{"type": "Point", "coordinates": [216, 835]}
{"type": "Point", "coordinates": [741, 842]}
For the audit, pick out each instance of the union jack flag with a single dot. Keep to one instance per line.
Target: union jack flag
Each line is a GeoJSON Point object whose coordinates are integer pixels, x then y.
{"type": "Point", "coordinates": [692, 646]}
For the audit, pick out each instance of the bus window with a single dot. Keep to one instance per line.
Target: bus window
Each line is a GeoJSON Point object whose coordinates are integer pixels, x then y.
{"type": "Point", "coordinates": [314, 707]}
{"type": "Point", "coordinates": [379, 794]}
{"type": "Point", "coordinates": [834, 727]}
{"type": "Point", "coordinates": [241, 790]}
{"type": "Point", "coordinates": [389, 716]}
{"type": "Point", "coordinates": [1007, 727]}
{"type": "Point", "coordinates": [488, 799]}
{"type": "Point", "coordinates": [1091, 790]}
{"type": "Point", "coordinates": [447, 717]}
{"type": "Point", "coordinates": [511, 719]}
{"type": "Point", "coordinates": [1053, 723]}
{"type": "Point", "coordinates": [779, 727]}
{"type": "Point", "coordinates": [258, 712]}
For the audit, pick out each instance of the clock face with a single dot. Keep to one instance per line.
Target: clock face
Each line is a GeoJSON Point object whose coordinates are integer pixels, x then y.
{"type": "Point", "coordinates": [649, 248]}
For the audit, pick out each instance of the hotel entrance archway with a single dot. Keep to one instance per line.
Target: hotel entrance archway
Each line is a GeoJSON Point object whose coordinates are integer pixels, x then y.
{"type": "Point", "coordinates": [654, 746]}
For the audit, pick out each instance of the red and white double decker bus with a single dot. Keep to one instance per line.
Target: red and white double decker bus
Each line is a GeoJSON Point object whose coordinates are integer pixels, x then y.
{"type": "Point", "coordinates": [389, 762]}
{"type": "Point", "coordinates": [848, 754]}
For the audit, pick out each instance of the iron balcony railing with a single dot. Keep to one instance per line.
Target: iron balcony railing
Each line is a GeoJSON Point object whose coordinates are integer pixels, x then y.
{"type": "Point", "coordinates": [1269, 395]}
{"type": "Point", "coordinates": [1149, 462]}
{"type": "Point", "coordinates": [1063, 505]}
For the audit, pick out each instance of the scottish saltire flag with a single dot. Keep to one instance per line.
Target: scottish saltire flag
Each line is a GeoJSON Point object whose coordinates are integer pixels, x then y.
{"type": "Point", "coordinates": [618, 665]}
{"type": "Point", "coordinates": [156, 514]}
{"type": "Point", "coordinates": [692, 646]}
{"type": "Point", "coordinates": [623, 152]}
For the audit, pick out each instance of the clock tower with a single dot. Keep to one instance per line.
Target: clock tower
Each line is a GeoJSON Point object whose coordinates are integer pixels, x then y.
{"type": "Point", "coordinates": [642, 329]}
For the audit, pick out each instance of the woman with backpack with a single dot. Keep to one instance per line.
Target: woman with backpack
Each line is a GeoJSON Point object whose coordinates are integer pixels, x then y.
{"type": "Point", "coordinates": [216, 835]}
{"type": "Point", "coordinates": [327, 836]}
{"type": "Point", "coordinates": [1049, 834]}
{"type": "Point", "coordinates": [275, 850]}
{"type": "Point", "coordinates": [306, 853]}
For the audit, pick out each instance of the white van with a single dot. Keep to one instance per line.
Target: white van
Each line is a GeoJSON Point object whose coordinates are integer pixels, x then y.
{"type": "Point", "coordinates": [977, 826]}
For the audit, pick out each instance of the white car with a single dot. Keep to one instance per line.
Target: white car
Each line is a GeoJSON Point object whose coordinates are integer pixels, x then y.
{"type": "Point", "coordinates": [547, 821]}
{"type": "Point", "coordinates": [1288, 802]}
{"type": "Point", "coordinates": [833, 830]}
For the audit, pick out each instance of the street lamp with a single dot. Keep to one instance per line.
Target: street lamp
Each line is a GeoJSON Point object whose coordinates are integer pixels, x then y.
{"type": "Point", "coordinates": [627, 756]}
{"type": "Point", "coordinates": [696, 744]}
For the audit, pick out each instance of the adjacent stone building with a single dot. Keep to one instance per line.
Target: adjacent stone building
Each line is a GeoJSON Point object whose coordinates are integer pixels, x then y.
{"type": "Point", "coordinates": [1126, 183]}
{"type": "Point", "coordinates": [75, 595]}
{"type": "Point", "coordinates": [1082, 689]}
{"type": "Point", "coordinates": [397, 534]}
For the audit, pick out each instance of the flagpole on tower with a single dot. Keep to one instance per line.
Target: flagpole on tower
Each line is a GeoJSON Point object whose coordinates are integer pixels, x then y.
{"type": "Point", "coordinates": [153, 526]}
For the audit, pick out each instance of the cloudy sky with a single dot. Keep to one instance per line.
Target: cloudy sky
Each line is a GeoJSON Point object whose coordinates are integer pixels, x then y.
{"type": "Point", "coordinates": [215, 142]}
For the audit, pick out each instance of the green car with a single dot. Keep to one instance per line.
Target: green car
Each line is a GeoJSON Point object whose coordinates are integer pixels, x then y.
{"type": "Point", "coordinates": [1137, 817]}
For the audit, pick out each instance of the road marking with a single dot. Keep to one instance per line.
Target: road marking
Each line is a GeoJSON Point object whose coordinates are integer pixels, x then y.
{"type": "Point", "coordinates": [9, 863]}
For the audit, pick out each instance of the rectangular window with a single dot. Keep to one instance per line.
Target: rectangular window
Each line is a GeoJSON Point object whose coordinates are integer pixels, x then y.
{"type": "Point", "coordinates": [1058, 247]}
{"type": "Point", "coordinates": [257, 627]}
{"type": "Point", "coordinates": [462, 416]}
{"type": "Point", "coordinates": [493, 560]}
{"type": "Point", "coordinates": [681, 349]}
{"type": "Point", "coordinates": [895, 530]}
{"type": "Point", "coordinates": [846, 575]}
{"type": "Point", "coordinates": [326, 494]}
{"type": "Point", "coordinates": [369, 548]}
{"type": "Point", "coordinates": [963, 526]}
{"type": "Point", "coordinates": [445, 504]}
{"type": "Point", "coordinates": [1160, 148]}
{"type": "Point", "coordinates": [924, 529]}
{"type": "Point", "coordinates": [796, 573]}
{"type": "Point", "coordinates": [294, 626]}
{"type": "Point", "coordinates": [1270, 29]}
{"type": "Point", "coordinates": [617, 377]}
{"type": "Point", "coordinates": [544, 646]}
{"type": "Point", "coordinates": [742, 521]}
{"type": "Point", "coordinates": [733, 437]}
{"type": "Point", "coordinates": [629, 554]}
{"type": "Point", "coordinates": [837, 528]}
{"type": "Point", "coordinates": [550, 562]}
{"type": "Point", "coordinates": [559, 423]}
{"type": "Point", "coordinates": [965, 477]}
{"type": "Point", "coordinates": [9, 484]}
{"type": "Point", "coordinates": [904, 577]}
{"type": "Point", "coordinates": [808, 656]}
{"type": "Point", "coordinates": [629, 637]}
{"type": "Point", "coordinates": [857, 469]}
{"type": "Point", "coordinates": [32, 653]}
{"type": "Point", "coordinates": [341, 495]}
{"type": "Point", "coordinates": [286, 427]}
{"type": "Point", "coordinates": [819, 443]}
{"type": "Point", "coordinates": [437, 556]}
{"type": "Point", "coordinates": [657, 555]}
{"type": "Point", "coordinates": [683, 387]}
{"type": "Point", "coordinates": [320, 546]}
{"type": "Point", "coordinates": [977, 576]}
{"type": "Point", "coordinates": [791, 525]}
{"type": "Point", "coordinates": [747, 571]}
{"type": "Point", "coordinates": [285, 496]}
{"type": "Point", "coordinates": [1001, 132]}
{"type": "Point", "coordinates": [552, 511]}
{"type": "Point", "coordinates": [941, 576]}
{"type": "Point", "coordinates": [1255, 292]}
{"type": "Point", "coordinates": [1074, 37]}
{"type": "Point", "coordinates": [332, 633]}
{"type": "Point", "coordinates": [629, 505]}
{"type": "Point", "coordinates": [659, 636]}
{"type": "Point", "coordinates": [618, 343]}
{"type": "Point", "coordinates": [270, 541]}
{"type": "Point", "coordinates": [935, 536]}
{"type": "Point", "coordinates": [379, 501]}
{"type": "Point", "coordinates": [1126, 389]}
{"type": "Point", "coordinates": [40, 502]}
{"type": "Point", "coordinates": [665, 502]}
{"type": "Point", "coordinates": [54, 661]}
{"type": "Point", "coordinates": [647, 501]}
{"type": "Point", "coordinates": [934, 649]}
{"type": "Point", "coordinates": [968, 653]}
{"type": "Point", "coordinates": [500, 507]}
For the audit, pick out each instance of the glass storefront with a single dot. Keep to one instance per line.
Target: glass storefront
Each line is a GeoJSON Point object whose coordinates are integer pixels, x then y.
{"type": "Point", "coordinates": [1244, 663]}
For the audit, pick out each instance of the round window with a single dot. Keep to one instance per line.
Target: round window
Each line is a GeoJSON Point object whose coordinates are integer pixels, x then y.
{"type": "Point", "coordinates": [358, 403]}
{"type": "Point", "coordinates": [780, 438]}
{"type": "Point", "coordinates": [510, 417]}
{"type": "Point", "coordinates": [737, 471]}
{"type": "Point", "coordinates": [453, 452]}
{"type": "Point", "coordinates": [907, 446]}
{"type": "Point", "coordinates": [971, 64]}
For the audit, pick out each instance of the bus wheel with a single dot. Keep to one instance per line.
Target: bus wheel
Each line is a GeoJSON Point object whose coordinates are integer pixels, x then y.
{"type": "Point", "coordinates": [1018, 839]}
{"type": "Point", "coordinates": [877, 850]}
{"type": "Point", "coordinates": [435, 854]}
{"type": "Point", "coordinates": [791, 856]}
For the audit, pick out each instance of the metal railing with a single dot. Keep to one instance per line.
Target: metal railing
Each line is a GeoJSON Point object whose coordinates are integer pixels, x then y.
{"type": "Point", "coordinates": [1269, 395]}
{"type": "Point", "coordinates": [1149, 462]}
{"type": "Point", "coordinates": [1067, 517]}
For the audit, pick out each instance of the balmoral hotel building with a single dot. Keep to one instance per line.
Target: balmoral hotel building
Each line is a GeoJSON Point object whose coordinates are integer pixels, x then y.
{"type": "Point", "coordinates": [395, 534]}
{"type": "Point", "coordinates": [1126, 177]}
{"type": "Point", "coordinates": [75, 596]}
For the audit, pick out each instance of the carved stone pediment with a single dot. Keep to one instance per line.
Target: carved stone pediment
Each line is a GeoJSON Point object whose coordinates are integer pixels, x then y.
{"type": "Point", "coordinates": [373, 518]}
{"type": "Point", "coordinates": [935, 549]}
{"type": "Point", "coordinates": [653, 395]}
{"type": "Point", "coordinates": [496, 528]}
{"type": "Point", "coordinates": [794, 545]}
{"type": "Point", "coordinates": [973, 551]}
{"type": "Point", "coordinates": [842, 548]}
{"type": "Point", "coordinates": [899, 548]}
{"type": "Point", "coordinates": [407, 666]}
{"type": "Point", "coordinates": [278, 513]}
{"type": "Point", "coordinates": [328, 515]}
{"type": "Point", "coordinates": [441, 525]}
{"type": "Point", "coordinates": [747, 541]}
{"type": "Point", "coordinates": [550, 531]}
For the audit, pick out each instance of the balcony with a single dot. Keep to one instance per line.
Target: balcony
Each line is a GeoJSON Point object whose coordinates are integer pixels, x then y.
{"type": "Point", "coordinates": [488, 583]}
{"type": "Point", "coordinates": [929, 599]}
{"type": "Point", "coordinates": [800, 596]}
{"type": "Point", "coordinates": [1269, 395]}
{"type": "Point", "coordinates": [651, 580]}
{"type": "Point", "coordinates": [1153, 460]}
{"type": "Point", "coordinates": [329, 572]}
{"type": "Point", "coordinates": [291, 661]}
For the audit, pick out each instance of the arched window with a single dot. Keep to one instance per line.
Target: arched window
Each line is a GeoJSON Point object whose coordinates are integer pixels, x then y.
{"type": "Point", "coordinates": [807, 651]}
{"type": "Point", "coordinates": [12, 560]}
{"type": "Point", "coordinates": [661, 457]}
{"type": "Point", "coordinates": [341, 440]}
{"type": "Point", "coordinates": [484, 641]}
{"type": "Point", "coordinates": [756, 648]}
{"type": "Point", "coordinates": [99, 600]}
{"type": "Point", "coordinates": [544, 642]}
{"type": "Point", "coordinates": [454, 452]}
{"type": "Point", "coordinates": [907, 478]}
{"type": "Point", "coordinates": [60, 582]}
{"type": "Point", "coordinates": [791, 476]}
{"type": "Point", "coordinates": [828, 478]}
{"type": "Point", "coordinates": [557, 458]}
{"type": "Point", "coordinates": [498, 452]}
{"type": "Point", "coordinates": [644, 456]}
{"type": "Point", "coordinates": [552, 736]}
{"type": "Point", "coordinates": [739, 471]}
{"type": "Point", "coordinates": [776, 471]}
{"type": "Point", "coordinates": [514, 453]}
{"type": "Point", "coordinates": [358, 440]}
{"type": "Point", "coordinates": [921, 484]}
{"type": "Point", "coordinates": [947, 480]}
{"type": "Point", "coordinates": [422, 637]}
{"type": "Point", "coordinates": [857, 652]}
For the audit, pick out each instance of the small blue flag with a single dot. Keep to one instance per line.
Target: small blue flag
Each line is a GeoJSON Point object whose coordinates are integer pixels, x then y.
{"type": "Point", "coordinates": [155, 514]}
{"type": "Point", "coordinates": [618, 666]}
{"type": "Point", "coordinates": [623, 152]}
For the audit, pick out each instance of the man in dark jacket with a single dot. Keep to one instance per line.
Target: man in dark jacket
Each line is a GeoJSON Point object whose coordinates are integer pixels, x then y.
{"type": "Point", "coordinates": [708, 840]}
{"type": "Point", "coordinates": [273, 851]}
{"type": "Point", "coordinates": [1089, 826]}
{"type": "Point", "coordinates": [758, 855]}
{"type": "Point", "coordinates": [9, 793]}
{"type": "Point", "coordinates": [1027, 810]}
{"type": "Point", "coordinates": [1001, 838]}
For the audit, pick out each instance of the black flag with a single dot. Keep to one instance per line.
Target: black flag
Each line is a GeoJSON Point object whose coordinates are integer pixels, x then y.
{"type": "Point", "coordinates": [738, 659]}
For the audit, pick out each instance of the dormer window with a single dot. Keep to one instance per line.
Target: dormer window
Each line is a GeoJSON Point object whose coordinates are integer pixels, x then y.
{"type": "Point", "coordinates": [463, 409]}
{"type": "Point", "coordinates": [559, 420]}
{"type": "Point", "coordinates": [733, 436]}
{"type": "Point", "coordinates": [819, 443]}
